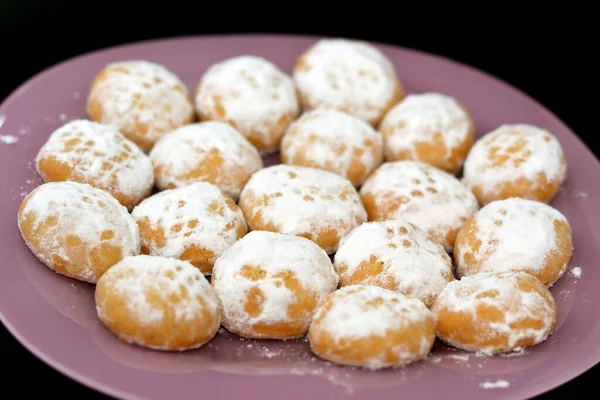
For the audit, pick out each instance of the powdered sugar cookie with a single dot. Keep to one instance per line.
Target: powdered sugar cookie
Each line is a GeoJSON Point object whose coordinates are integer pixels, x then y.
{"type": "Point", "coordinates": [430, 127]}
{"type": "Point", "coordinates": [253, 95]}
{"type": "Point", "coordinates": [77, 230]}
{"type": "Point", "coordinates": [334, 141]}
{"type": "Point", "coordinates": [269, 284]}
{"type": "Point", "coordinates": [396, 256]}
{"type": "Point", "coordinates": [316, 204]}
{"type": "Point", "coordinates": [372, 327]}
{"type": "Point", "coordinates": [349, 75]}
{"type": "Point", "coordinates": [495, 312]}
{"type": "Point", "coordinates": [142, 99]}
{"type": "Point", "coordinates": [517, 160]}
{"type": "Point", "coordinates": [210, 151]}
{"type": "Point", "coordinates": [194, 223]}
{"type": "Point", "coordinates": [159, 303]}
{"type": "Point", "coordinates": [88, 152]}
{"type": "Point", "coordinates": [515, 234]}
{"type": "Point", "coordinates": [431, 199]}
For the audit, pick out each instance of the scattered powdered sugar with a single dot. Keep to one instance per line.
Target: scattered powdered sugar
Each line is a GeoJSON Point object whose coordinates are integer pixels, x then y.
{"type": "Point", "coordinates": [273, 272]}
{"type": "Point", "coordinates": [76, 95]}
{"type": "Point", "coordinates": [514, 233]}
{"type": "Point", "coordinates": [433, 200]}
{"type": "Point", "coordinates": [432, 118]}
{"type": "Point", "coordinates": [211, 151]}
{"type": "Point", "coordinates": [507, 154]}
{"type": "Point", "coordinates": [8, 139]}
{"type": "Point", "coordinates": [254, 94]}
{"type": "Point", "coordinates": [100, 155]}
{"type": "Point", "coordinates": [335, 141]}
{"type": "Point", "coordinates": [298, 200]}
{"type": "Point", "coordinates": [459, 357]}
{"type": "Point", "coordinates": [198, 215]}
{"type": "Point", "coordinates": [410, 261]}
{"type": "Point", "coordinates": [346, 74]}
{"type": "Point", "coordinates": [502, 384]}
{"type": "Point", "coordinates": [580, 195]}
{"type": "Point", "coordinates": [576, 272]}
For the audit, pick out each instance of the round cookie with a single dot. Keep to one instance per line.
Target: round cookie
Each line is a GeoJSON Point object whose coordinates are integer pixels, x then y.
{"type": "Point", "coordinates": [515, 235]}
{"type": "Point", "coordinates": [395, 255]}
{"type": "Point", "coordinates": [429, 198]}
{"type": "Point", "coordinates": [143, 100]}
{"type": "Point", "coordinates": [88, 152]}
{"type": "Point", "coordinates": [269, 284]}
{"type": "Point", "coordinates": [515, 160]}
{"type": "Point", "coordinates": [253, 95]}
{"type": "Point", "coordinates": [495, 312]}
{"type": "Point", "coordinates": [77, 230]}
{"type": "Point", "coordinates": [371, 327]}
{"type": "Point", "coordinates": [210, 151]}
{"type": "Point", "coordinates": [334, 141]}
{"type": "Point", "coordinates": [349, 75]}
{"type": "Point", "coordinates": [316, 204]}
{"type": "Point", "coordinates": [194, 223]}
{"type": "Point", "coordinates": [159, 303]}
{"type": "Point", "coordinates": [430, 127]}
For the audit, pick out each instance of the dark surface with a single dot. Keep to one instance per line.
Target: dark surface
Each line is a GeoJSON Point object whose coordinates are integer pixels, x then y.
{"type": "Point", "coordinates": [532, 51]}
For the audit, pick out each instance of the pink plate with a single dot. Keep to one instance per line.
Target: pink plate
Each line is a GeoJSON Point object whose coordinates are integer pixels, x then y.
{"type": "Point", "coordinates": [54, 317]}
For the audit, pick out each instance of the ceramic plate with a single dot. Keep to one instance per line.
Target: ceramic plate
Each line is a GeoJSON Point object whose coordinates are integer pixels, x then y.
{"type": "Point", "coordinates": [55, 318]}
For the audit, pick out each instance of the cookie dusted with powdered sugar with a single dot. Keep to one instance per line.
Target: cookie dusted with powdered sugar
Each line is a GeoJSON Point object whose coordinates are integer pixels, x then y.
{"type": "Point", "coordinates": [269, 284]}
{"type": "Point", "coordinates": [349, 75]}
{"type": "Point", "coordinates": [429, 198]}
{"type": "Point", "coordinates": [515, 160]}
{"type": "Point", "coordinates": [371, 327]}
{"type": "Point", "coordinates": [159, 303]}
{"type": "Point", "coordinates": [335, 141]}
{"type": "Point", "coordinates": [495, 312]}
{"type": "Point", "coordinates": [515, 235]}
{"type": "Point", "coordinates": [430, 127]}
{"type": "Point", "coordinates": [194, 223]}
{"type": "Point", "coordinates": [143, 100]}
{"type": "Point", "coordinates": [88, 152]}
{"type": "Point", "coordinates": [316, 204]}
{"type": "Point", "coordinates": [210, 151]}
{"type": "Point", "coordinates": [253, 95]}
{"type": "Point", "coordinates": [77, 230]}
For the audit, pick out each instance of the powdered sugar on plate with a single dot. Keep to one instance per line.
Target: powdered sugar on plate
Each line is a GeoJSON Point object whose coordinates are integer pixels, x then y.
{"type": "Point", "coordinates": [499, 384]}
{"type": "Point", "coordinates": [576, 272]}
{"type": "Point", "coordinates": [9, 139]}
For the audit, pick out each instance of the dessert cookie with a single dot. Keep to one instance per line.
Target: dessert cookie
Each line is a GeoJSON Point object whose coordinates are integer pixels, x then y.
{"type": "Point", "coordinates": [269, 284]}
{"type": "Point", "coordinates": [334, 141]}
{"type": "Point", "coordinates": [88, 152]}
{"type": "Point", "coordinates": [349, 75]}
{"type": "Point", "coordinates": [194, 223]}
{"type": "Point", "coordinates": [142, 99]}
{"type": "Point", "coordinates": [372, 327]}
{"type": "Point", "coordinates": [253, 95]}
{"type": "Point", "coordinates": [431, 199]}
{"type": "Point", "coordinates": [495, 312]}
{"type": "Point", "coordinates": [316, 204]}
{"type": "Point", "coordinates": [159, 303]}
{"type": "Point", "coordinates": [517, 160]}
{"type": "Point", "coordinates": [396, 256]}
{"type": "Point", "coordinates": [430, 127]}
{"type": "Point", "coordinates": [210, 151]}
{"type": "Point", "coordinates": [77, 230]}
{"type": "Point", "coordinates": [515, 234]}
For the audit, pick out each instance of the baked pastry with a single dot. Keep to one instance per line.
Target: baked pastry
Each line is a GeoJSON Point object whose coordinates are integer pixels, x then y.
{"type": "Point", "coordinates": [431, 127]}
{"type": "Point", "coordinates": [253, 95]}
{"type": "Point", "coordinates": [210, 151]}
{"type": "Point", "coordinates": [269, 284]}
{"type": "Point", "coordinates": [515, 160]}
{"type": "Point", "coordinates": [77, 230]}
{"type": "Point", "coordinates": [158, 302]}
{"type": "Point", "coordinates": [335, 141]}
{"type": "Point", "coordinates": [142, 99]}
{"type": "Point", "coordinates": [371, 327]}
{"type": "Point", "coordinates": [316, 204]}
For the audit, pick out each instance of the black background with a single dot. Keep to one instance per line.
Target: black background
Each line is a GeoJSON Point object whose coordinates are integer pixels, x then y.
{"type": "Point", "coordinates": [546, 53]}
